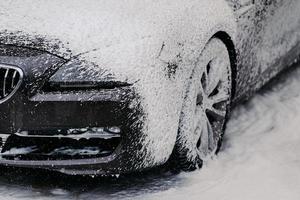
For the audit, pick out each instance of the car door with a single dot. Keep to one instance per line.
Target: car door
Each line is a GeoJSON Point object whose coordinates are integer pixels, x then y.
{"type": "Point", "coordinates": [246, 43]}
{"type": "Point", "coordinates": [278, 32]}
{"type": "Point", "coordinates": [268, 34]}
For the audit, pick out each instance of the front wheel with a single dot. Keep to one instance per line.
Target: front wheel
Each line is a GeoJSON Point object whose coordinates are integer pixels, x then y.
{"type": "Point", "coordinates": [205, 108]}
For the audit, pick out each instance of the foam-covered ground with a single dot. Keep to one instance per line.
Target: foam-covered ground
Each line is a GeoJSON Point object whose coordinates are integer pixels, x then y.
{"type": "Point", "coordinates": [260, 160]}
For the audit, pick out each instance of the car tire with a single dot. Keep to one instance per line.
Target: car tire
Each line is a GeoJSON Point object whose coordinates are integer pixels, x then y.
{"type": "Point", "coordinates": [205, 108]}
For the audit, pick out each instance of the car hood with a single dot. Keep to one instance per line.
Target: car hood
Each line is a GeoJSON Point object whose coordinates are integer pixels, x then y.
{"type": "Point", "coordinates": [123, 37]}
{"type": "Point", "coordinates": [72, 27]}
{"type": "Point", "coordinates": [118, 36]}
{"type": "Point", "coordinates": [69, 28]}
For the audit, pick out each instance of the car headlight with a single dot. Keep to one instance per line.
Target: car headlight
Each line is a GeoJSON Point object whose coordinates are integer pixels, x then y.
{"type": "Point", "coordinates": [75, 76]}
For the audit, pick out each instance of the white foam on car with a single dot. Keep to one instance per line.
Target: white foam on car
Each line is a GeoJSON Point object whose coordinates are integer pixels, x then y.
{"type": "Point", "coordinates": [19, 151]}
{"type": "Point", "coordinates": [136, 41]}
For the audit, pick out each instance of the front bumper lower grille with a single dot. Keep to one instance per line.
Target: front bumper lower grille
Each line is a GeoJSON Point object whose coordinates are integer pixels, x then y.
{"type": "Point", "coordinates": [10, 81]}
{"type": "Point", "coordinates": [58, 144]}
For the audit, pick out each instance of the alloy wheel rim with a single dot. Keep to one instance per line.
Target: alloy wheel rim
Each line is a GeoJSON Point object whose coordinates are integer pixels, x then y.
{"type": "Point", "coordinates": [213, 96]}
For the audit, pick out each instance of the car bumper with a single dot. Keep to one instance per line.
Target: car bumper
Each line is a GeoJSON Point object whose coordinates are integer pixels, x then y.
{"type": "Point", "coordinates": [73, 110]}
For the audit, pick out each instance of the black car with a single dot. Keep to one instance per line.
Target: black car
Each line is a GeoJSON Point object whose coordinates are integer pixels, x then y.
{"type": "Point", "coordinates": [109, 87]}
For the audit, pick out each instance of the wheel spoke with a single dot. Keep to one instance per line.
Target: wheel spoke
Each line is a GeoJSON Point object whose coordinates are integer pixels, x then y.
{"type": "Point", "coordinates": [214, 76]}
{"type": "Point", "coordinates": [207, 142]}
{"type": "Point", "coordinates": [211, 140]}
{"type": "Point", "coordinates": [198, 118]}
{"type": "Point", "coordinates": [217, 112]}
{"type": "Point", "coordinates": [212, 83]}
{"type": "Point", "coordinates": [204, 82]}
{"type": "Point", "coordinates": [219, 97]}
{"type": "Point", "coordinates": [204, 139]}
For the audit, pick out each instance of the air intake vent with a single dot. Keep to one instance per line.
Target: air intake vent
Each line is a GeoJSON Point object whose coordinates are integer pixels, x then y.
{"type": "Point", "coordinates": [10, 80]}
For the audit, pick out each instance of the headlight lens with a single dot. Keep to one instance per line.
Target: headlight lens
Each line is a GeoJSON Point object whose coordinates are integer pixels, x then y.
{"type": "Point", "coordinates": [65, 86]}
{"type": "Point", "coordinates": [74, 76]}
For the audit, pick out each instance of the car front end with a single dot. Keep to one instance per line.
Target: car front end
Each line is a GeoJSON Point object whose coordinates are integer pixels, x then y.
{"type": "Point", "coordinates": [101, 89]}
{"type": "Point", "coordinates": [76, 126]}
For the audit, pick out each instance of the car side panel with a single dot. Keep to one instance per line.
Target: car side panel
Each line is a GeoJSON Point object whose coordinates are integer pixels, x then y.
{"type": "Point", "coordinates": [267, 39]}
{"type": "Point", "coordinates": [278, 26]}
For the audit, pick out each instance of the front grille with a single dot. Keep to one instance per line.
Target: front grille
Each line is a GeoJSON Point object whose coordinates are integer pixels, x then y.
{"type": "Point", "coordinates": [10, 80]}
